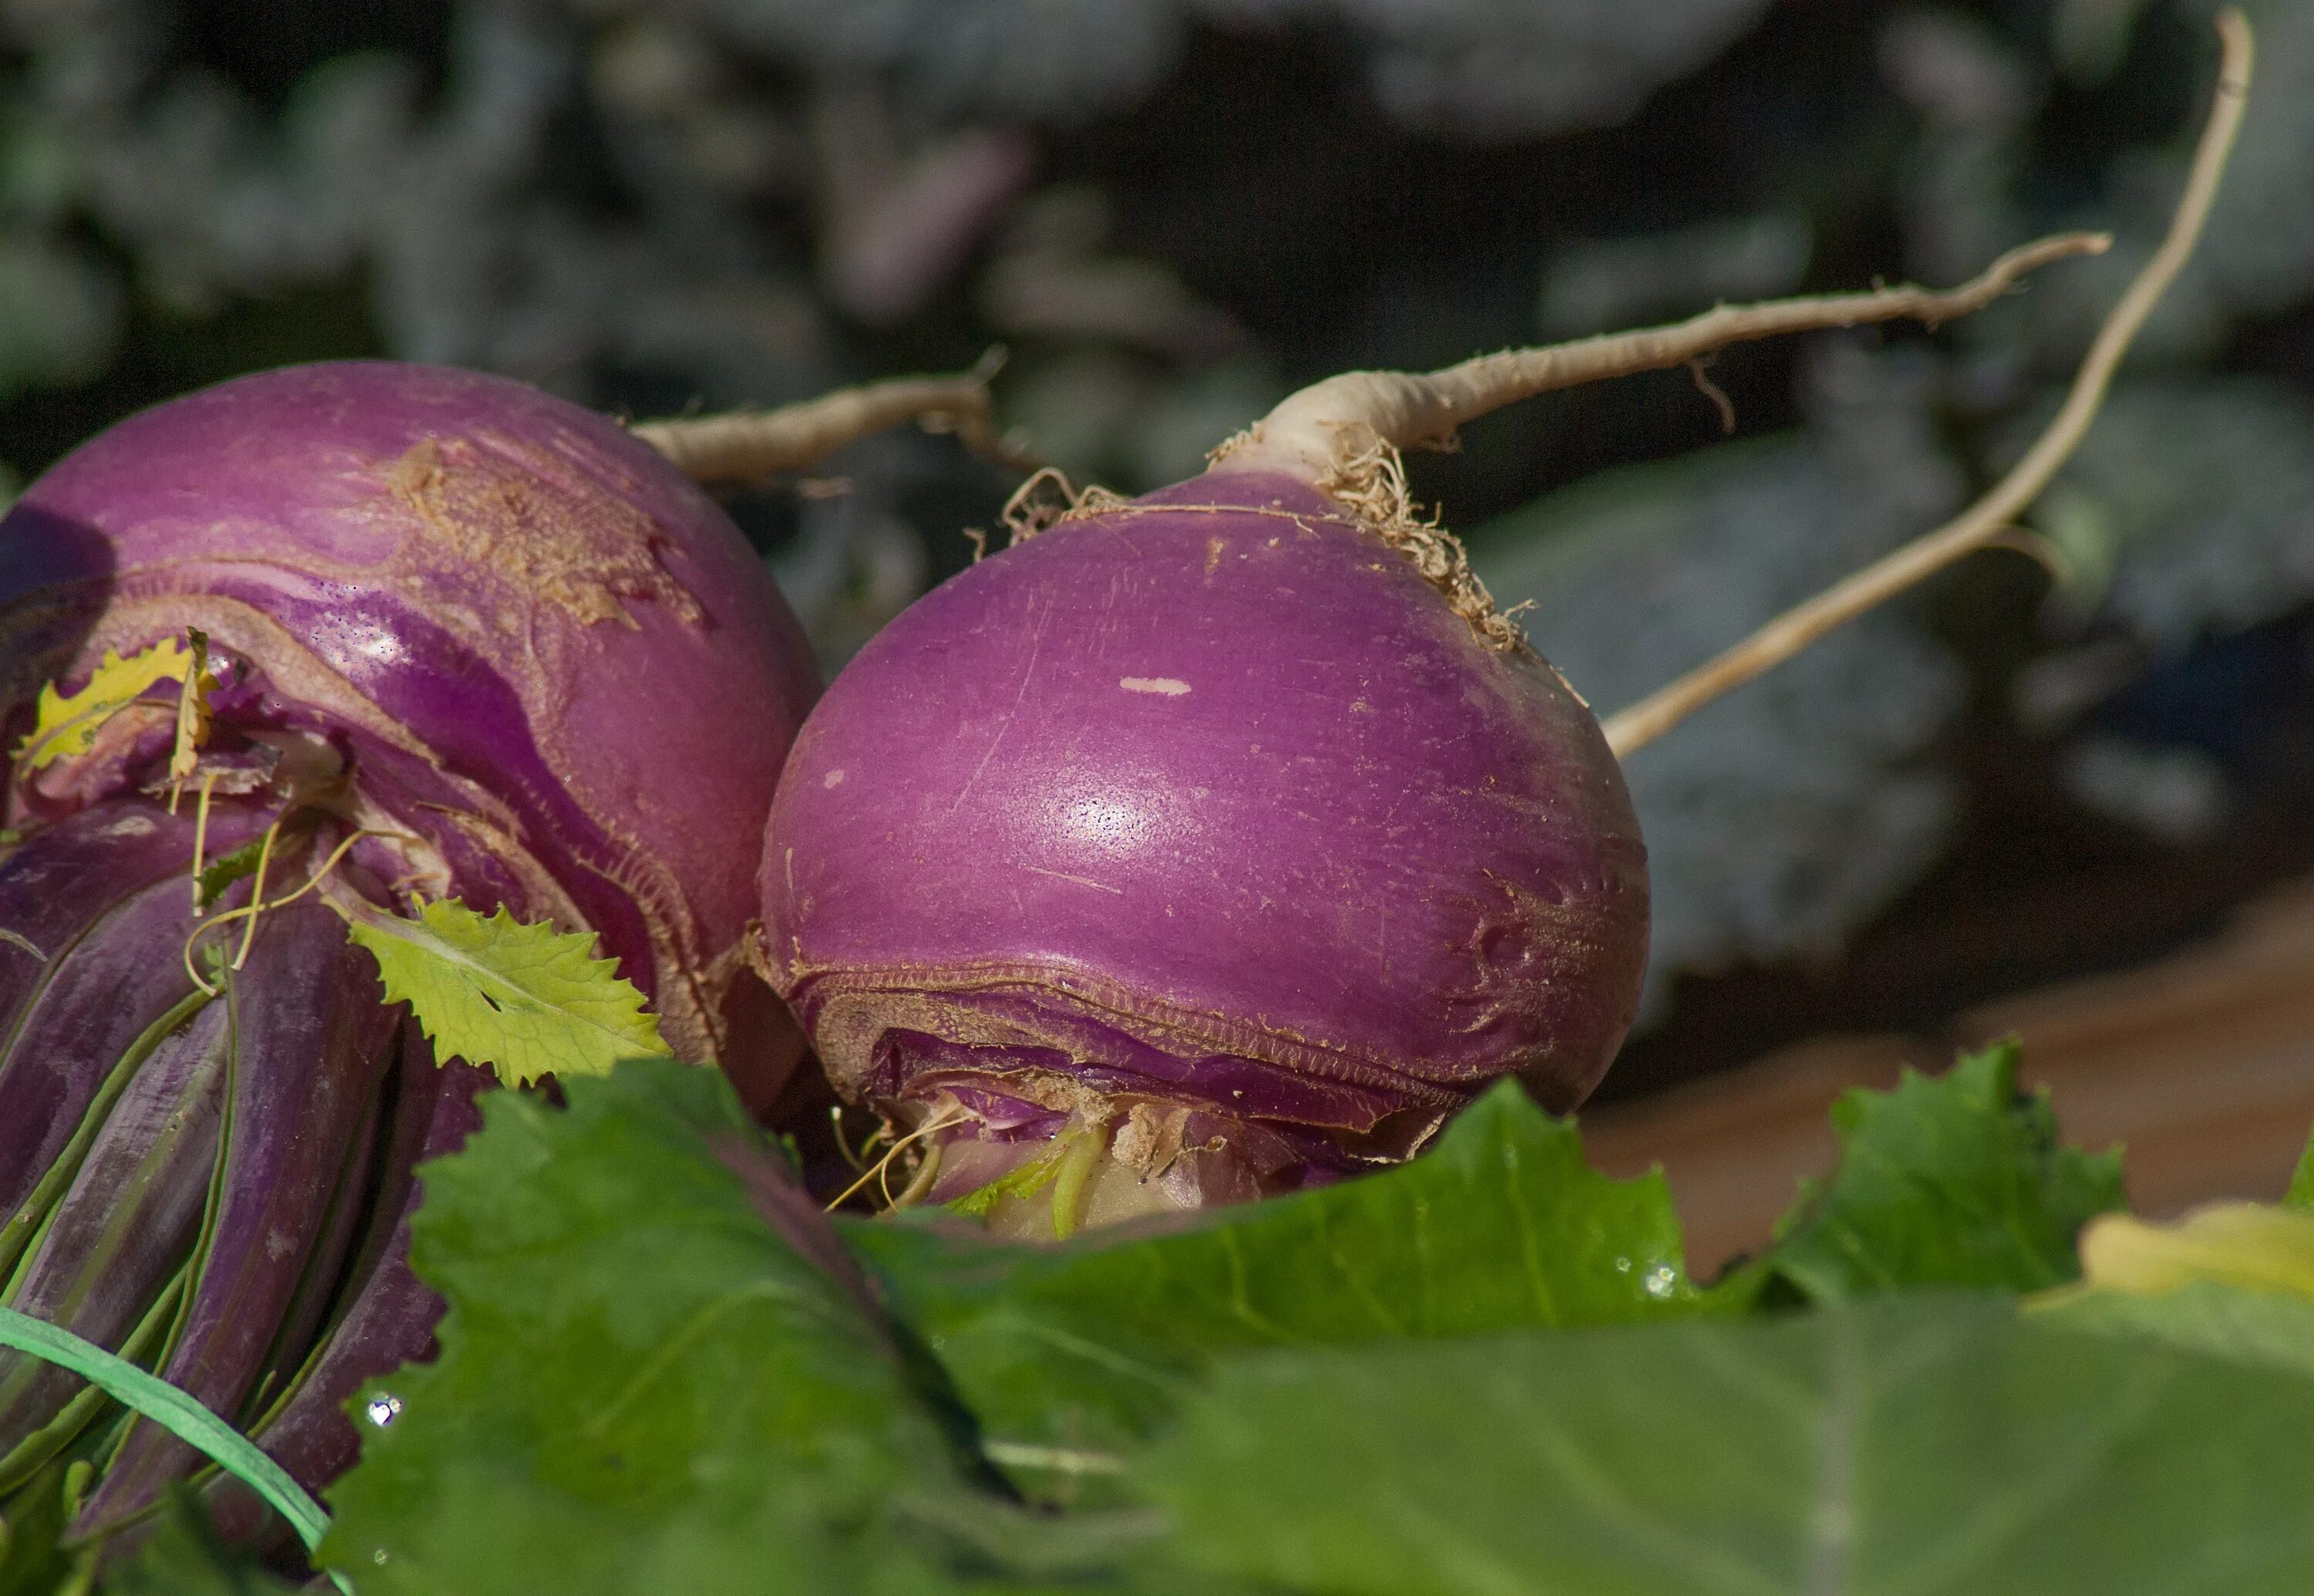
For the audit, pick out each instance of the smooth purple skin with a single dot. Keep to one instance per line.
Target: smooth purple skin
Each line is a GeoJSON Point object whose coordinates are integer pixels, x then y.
{"type": "Point", "coordinates": [553, 631]}
{"type": "Point", "coordinates": [311, 1044]}
{"type": "Point", "coordinates": [104, 895]}
{"type": "Point", "coordinates": [389, 1322]}
{"type": "Point", "coordinates": [335, 1247]}
{"type": "Point", "coordinates": [61, 881]}
{"type": "Point", "coordinates": [129, 1220]}
{"type": "Point", "coordinates": [1235, 787]}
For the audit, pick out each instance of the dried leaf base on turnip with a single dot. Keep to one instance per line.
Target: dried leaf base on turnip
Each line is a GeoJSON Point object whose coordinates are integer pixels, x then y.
{"type": "Point", "coordinates": [1227, 839]}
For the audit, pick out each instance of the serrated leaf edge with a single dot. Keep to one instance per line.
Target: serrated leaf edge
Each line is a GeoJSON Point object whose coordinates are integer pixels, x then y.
{"type": "Point", "coordinates": [361, 917]}
{"type": "Point", "coordinates": [67, 723]}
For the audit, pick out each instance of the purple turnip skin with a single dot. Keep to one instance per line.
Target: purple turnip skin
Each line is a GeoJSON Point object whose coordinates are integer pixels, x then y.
{"type": "Point", "coordinates": [1207, 823]}
{"type": "Point", "coordinates": [124, 1228]}
{"type": "Point", "coordinates": [389, 1321]}
{"type": "Point", "coordinates": [542, 648]}
{"type": "Point", "coordinates": [291, 1130]}
{"type": "Point", "coordinates": [508, 654]}
{"type": "Point", "coordinates": [103, 896]}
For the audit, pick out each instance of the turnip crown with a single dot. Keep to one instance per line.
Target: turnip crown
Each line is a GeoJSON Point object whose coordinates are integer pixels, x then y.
{"type": "Point", "coordinates": [1204, 816]}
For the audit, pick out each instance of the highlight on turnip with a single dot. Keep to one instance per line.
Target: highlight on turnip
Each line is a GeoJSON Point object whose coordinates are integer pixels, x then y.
{"type": "Point", "coordinates": [1227, 839]}
{"type": "Point", "coordinates": [321, 644]}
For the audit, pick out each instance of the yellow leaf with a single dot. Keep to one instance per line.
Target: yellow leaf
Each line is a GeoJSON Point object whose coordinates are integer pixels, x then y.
{"type": "Point", "coordinates": [506, 994]}
{"type": "Point", "coordinates": [68, 723]}
{"type": "Point", "coordinates": [2253, 1245]}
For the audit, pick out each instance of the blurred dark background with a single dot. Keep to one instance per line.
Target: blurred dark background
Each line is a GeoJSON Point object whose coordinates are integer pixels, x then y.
{"type": "Point", "coordinates": [1172, 211]}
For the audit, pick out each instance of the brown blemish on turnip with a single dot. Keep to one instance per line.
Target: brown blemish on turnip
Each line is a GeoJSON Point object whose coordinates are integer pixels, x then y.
{"type": "Point", "coordinates": [502, 507]}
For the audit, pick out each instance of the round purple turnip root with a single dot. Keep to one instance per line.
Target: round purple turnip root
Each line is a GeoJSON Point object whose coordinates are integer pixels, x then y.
{"type": "Point", "coordinates": [491, 645]}
{"type": "Point", "coordinates": [1227, 839]}
{"type": "Point", "coordinates": [1198, 847]}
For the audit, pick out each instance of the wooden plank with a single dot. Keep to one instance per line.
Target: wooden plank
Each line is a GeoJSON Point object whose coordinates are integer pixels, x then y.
{"type": "Point", "coordinates": [2201, 1066]}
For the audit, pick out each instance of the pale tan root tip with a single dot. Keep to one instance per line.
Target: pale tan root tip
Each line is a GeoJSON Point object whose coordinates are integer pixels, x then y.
{"type": "Point", "coordinates": [1047, 499]}
{"type": "Point", "coordinates": [752, 446]}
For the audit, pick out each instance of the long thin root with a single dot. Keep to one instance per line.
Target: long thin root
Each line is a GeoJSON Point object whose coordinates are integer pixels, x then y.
{"type": "Point", "coordinates": [1347, 414]}
{"type": "Point", "coordinates": [750, 446]}
{"type": "Point", "coordinates": [1990, 518]}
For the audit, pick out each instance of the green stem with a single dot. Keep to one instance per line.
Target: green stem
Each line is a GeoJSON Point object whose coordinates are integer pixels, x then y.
{"type": "Point", "coordinates": [1086, 1144]}
{"type": "Point", "coordinates": [33, 1453]}
{"type": "Point", "coordinates": [177, 1413]}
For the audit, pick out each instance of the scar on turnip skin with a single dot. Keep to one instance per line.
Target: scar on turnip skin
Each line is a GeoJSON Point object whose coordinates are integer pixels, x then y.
{"type": "Point", "coordinates": [749, 446]}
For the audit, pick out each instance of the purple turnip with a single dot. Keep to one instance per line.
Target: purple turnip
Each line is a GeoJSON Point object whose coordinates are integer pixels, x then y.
{"type": "Point", "coordinates": [482, 644]}
{"type": "Point", "coordinates": [1203, 837]}
{"type": "Point", "coordinates": [1229, 839]}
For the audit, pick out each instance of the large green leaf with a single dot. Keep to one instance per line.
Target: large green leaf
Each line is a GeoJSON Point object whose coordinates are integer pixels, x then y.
{"type": "Point", "coordinates": [1080, 1348]}
{"type": "Point", "coordinates": [1914, 1446]}
{"type": "Point", "coordinates": [1949, 1180]}
{"type": "Point", "coordinates": [2222, 1321]}
{"type": "Point", "coordinates": [647, 1380]}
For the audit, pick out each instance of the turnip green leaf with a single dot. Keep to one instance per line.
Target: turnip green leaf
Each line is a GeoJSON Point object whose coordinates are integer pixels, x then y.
{"type": "Point", "coordinates": [1950, 1180]}
{"type": "Point", "coordinates": [222, 872]}
{"type": "Point", "coordinates": [2302, 1181]}
{"type": "Point", "coordinates": [1499, 1226]}
{"type": "Point", "coordinates": [647, 1383]}
{"type": "Point", "coordinates": [2223, 1321]}
{"type": "Point", "coordinates": [2235, 1280]}
{"type": "Point", "coordinates": [183, 1557]}
{"type": "Point", "coordinates": [2255, 1245]}
{"type": "Point", "coordinates": [519, 997]}
{"type": "Point", "coordinates": [1914, 1446]}
{"type": "Point", "coordinates": [33, 1561]}
{"type": "Point", "coordinates": [67, 723]}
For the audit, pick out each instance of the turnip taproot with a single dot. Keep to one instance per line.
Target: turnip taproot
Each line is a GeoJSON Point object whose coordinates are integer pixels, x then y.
{"type": "Point", "coordinates": [407, 634]}
{"type": "Point", "coordinates": [1227, 839]}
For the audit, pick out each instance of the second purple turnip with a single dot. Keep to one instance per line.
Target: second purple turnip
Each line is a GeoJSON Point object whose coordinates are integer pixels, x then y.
{"type": "Point", "coordinates": [1226, 840]}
